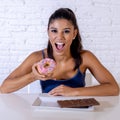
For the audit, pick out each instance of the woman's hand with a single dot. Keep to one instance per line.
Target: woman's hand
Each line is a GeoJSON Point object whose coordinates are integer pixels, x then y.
{"type": "Point", "coordinates": [38, 76]}
{"type": "Point", "coordinates": [63, 91]}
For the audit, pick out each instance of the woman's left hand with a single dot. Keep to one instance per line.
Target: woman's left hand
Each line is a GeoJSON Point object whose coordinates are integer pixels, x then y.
{"type": "Point", "coordinates": [63, 91]}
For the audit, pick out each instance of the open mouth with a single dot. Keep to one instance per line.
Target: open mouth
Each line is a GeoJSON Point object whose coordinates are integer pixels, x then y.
{"type": "Point", "coordinates": [59, 46]}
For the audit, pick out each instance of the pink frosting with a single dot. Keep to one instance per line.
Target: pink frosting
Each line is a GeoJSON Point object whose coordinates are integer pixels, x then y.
{"type": "Point", "coordinates": [46, 66]}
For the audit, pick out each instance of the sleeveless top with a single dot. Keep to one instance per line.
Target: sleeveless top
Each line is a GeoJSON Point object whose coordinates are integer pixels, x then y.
{"type": "Point", "coordinates": [77, 81]}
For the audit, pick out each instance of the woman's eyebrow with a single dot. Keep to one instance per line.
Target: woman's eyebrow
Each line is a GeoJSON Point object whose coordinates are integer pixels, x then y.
{"type": "Point", "coordinates": [56, 28]}
{"type": "Point", "coordinates": [67, 28]}
{"type": "Point", "coordinates": [53, 28]}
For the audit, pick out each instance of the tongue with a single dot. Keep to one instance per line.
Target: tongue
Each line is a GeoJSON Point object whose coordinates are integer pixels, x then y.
{"type": "Point", "coordinates": [59, 47]}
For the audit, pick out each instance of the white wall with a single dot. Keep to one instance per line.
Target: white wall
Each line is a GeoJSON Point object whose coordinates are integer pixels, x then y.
{"type": "Point", "coordinates": [23, 25]}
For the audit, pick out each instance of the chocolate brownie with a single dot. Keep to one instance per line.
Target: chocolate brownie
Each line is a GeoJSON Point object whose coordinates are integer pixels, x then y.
{"type": "Point", "coordinates": [78, 103]}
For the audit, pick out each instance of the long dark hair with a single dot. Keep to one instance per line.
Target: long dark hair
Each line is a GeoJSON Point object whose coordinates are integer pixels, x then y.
{"type": "Point", "coordinates": [76, 46]}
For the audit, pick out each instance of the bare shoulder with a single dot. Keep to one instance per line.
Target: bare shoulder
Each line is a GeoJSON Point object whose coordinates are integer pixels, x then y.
{"type": "Point", "coordinates": [86, 53]}
{"type": "Point", "coordinates": [89, 59]}
{"type": "Point", "coordinates": [33, 58]}
{"type": "Point", "coordinates": [36, 56]}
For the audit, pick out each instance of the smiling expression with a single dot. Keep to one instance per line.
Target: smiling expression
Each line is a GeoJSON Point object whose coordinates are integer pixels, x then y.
{"type": "Point", "coordinates": [61, 33]}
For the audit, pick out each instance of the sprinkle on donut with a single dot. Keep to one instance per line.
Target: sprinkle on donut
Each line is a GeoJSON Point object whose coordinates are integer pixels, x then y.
{"type": "Point", "coordinates": [46, 66]}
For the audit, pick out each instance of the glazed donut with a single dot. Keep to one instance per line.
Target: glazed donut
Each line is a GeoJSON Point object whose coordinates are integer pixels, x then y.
{"type": "Point", "coordinates": [46, 66]}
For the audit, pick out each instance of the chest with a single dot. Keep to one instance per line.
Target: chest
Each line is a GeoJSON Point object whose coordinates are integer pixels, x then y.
{"type": "Point", "coordinates": [65, 71]}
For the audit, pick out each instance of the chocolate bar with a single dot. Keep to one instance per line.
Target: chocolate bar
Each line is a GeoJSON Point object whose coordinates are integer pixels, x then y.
{"type": "Point", "coordinates": [78, 103]}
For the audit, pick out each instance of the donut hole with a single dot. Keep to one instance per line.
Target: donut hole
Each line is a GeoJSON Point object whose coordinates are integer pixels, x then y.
{"type": "Point", "coordinates": [46, 65]}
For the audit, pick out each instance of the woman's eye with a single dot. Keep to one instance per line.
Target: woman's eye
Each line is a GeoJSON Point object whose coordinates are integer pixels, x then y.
{"type": "Point", "coordinates": [54, 31]}
{"type": "Point", "coordinates": [66, 31]}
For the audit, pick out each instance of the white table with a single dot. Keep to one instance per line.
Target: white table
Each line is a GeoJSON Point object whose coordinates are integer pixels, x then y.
{"type": "Point", "coordinates": [19, 107]}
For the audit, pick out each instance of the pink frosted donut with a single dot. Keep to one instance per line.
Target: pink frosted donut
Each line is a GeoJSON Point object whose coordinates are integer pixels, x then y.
{"type": "Point", "coordinates": [46, 66]}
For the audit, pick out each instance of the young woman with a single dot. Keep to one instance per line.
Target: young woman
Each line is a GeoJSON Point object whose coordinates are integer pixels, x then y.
{"type": "Point", "coordinates": [68, 78]}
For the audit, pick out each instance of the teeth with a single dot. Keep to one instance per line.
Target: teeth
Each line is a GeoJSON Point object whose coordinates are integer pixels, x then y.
{"type": "Point", "coordinates": [60, 43]}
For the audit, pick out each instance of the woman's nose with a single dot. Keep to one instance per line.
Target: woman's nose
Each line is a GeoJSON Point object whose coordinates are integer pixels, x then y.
{"type": "Point", "coordinates": [60, 35]}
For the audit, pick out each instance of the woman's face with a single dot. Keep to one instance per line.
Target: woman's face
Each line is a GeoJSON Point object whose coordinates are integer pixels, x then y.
{"type": "Point", "coordinates": [61, 33]}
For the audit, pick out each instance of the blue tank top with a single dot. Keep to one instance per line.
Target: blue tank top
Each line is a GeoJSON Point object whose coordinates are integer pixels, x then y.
{"type": "Point", "coordinates": [77, 81]}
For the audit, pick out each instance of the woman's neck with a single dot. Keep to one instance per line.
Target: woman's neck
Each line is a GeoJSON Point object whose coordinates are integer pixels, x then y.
{"type": "Point", "coordinates": [60, 58]}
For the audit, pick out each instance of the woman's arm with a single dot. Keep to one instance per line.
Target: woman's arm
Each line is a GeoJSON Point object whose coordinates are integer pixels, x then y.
{"type": "Point", "coordinates": [107, 83]}
{"type": "Point", "coordinates": [21, 76]}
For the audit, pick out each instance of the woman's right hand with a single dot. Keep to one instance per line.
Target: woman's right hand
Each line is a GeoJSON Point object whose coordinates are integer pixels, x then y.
{"type": "Point", "coordinates": [38, 76]}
